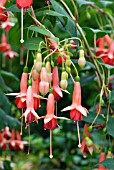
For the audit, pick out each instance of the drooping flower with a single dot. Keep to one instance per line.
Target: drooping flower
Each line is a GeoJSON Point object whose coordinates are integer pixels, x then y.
{"type": "Point", "coordinates": [87, 144]}
{"type": "Point", "coordinates": [105, 53]}
{"type": "Point", "coordinates": [35, 88]}
{"type": "Point", "coordinates": [30, 114]}
{"type": "Point", "coordinates": [10, 54]}
{"type": "Point", "coordinates": [76, 109]}
{"type": "Point", "coordinates": [56, 89]}
{"type": "Point", "coordinates": [101, 158]}
{"type": "Point", "coordinates": [7, 25]}
{"type": "Point", "coordinates": [50, 120]}
{"type": "Point", "coordinates": [19, 142]}
{"type": "Point", "coordinates": [3, 15]}
{"type": "Point", "coordinates": [4, 46]}
{"type": "Point", "coordinates": [21, 96]}
{"type": "Point", "coordinates": [2, 141]}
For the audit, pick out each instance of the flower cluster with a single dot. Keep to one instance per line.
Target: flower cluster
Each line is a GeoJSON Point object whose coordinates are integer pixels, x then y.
{"type": "Point", "coordinates": [105, 49]}
{"type": "Point", "coordinates": [5, 24]}
{"type": "Point", "coordinates": [11, 139]}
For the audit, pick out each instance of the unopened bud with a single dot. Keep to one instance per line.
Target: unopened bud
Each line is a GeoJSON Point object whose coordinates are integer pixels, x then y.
{"type": "Point", "coordinates": [43, 88]}
{"type": "Point", "coordinates": [88, 141]}
{"type": "Point", "coordinates": [68, 62]}
{"type": "Point", "coordinates": [81, 62]}
{"type": "Point", "coordinates": [34, 74]}
{"type": "Point", "coordinates": [64, 75]}
{"type": "Point", "coordinates": [81, 53]}
{"type": "Point", "coordinates": [68, 69]}
{"type": "Point", "coordinates": [48, 67]}
{"type": "Point", "coordinates": [63, 84]}
{"type": "Point", "coordinates": [39, 57]}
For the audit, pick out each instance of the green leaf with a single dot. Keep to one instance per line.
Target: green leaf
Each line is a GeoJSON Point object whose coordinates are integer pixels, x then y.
{"type": "Point", "coordinates": [111, 97]}
{"type": "Point", "coordinates": [105, 3]}
{"type": "Point", "coordinates": [13, 8]}
{"type": "Point", "coordinates": [83, 2]}
{"type": "Point", "coordinates": [33, 43]}
{"type": "Point", "coordinates": [91, 116]}
{"type": "Point", "coordinates": [6, 120]}
{"type": "Point", "coordinates": [11, 80]}
{"type": "Point", "coordinates": [3, 86]}
{"type": "Point", "coordinates": [110, 126]}
{"type": "Point", "coordinates": [107, 66]}
{"type": "Point", "coordinates": [4, 102]}
{"type": "Point", "coordinates": [40, 29]}
{"type": "Point", "coordinates": [7, 165]}
{"type": "Point", "coordinates": [55, 39]}
{"type": "Point", "coordinates": [108, 163]}
{"type": "Point", "coordinates": [70, 26]}
{"type": "Point", "coordinates": [49, 12]}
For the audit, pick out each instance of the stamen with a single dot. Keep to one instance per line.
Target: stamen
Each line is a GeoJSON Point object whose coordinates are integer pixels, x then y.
{"type": "Point", "coordinates": [22, 40]}
{"type": "Point", "coordinates": [51, 154]}
{"type": "Point", "coordinates": [79, 145]}
{"type": "Point", "coordinates": [21, 131]}
{"type": "Point", "coordinates": [29, 140]}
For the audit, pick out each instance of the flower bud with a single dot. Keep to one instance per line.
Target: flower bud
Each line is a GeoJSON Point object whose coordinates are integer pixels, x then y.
{"type": "Point", "coordinates": [48, 67]}
{"type": "Point", "coordinates": [64, 75]}
{"type": "Point", "coordinates": [81, 62]}
{"type": "Point", "coordinates": [88, 141]}
{"type": "Point", "coordinates": [63, 84]}
{"type": "Point", "coordinates": [34, 74]}
{"type": "Point", "coordinates": [43, 88]}
{"type": "Point", "coordinates": [38, 66]}
{"type": "Point", "coordinates": [81, 53]}
{"type": "Point", "coordinates": [68, 62]}
{"type": "Point", "coordinates": [68, 69]}
{"type": "Point", "coordinates": [39, 57]}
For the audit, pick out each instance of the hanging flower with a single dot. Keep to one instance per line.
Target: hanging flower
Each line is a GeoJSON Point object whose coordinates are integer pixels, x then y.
{"type": "Point", "coordinates": [87, 144]}
{"type": "Point", "coordinates": [7, 25]}
{"type": "Point", "coordinates": [3, 15]}
{"type": "Point", "coordinates": [56, 89]}
{"type": "Point", "coordinates": [19, 143]}
{"type": "Point", "coordinates": [30, 114]}
{"type": "Point", "coordinates": [76, 110]}
{"type": "Point", "coordinates": [2, 141]}
{"type": "Point", "coordinates": [10, 54]}
{"type": "Point", "coordinates": [35, 88]}
{"type": "Point", "coordinates": [4, 46]}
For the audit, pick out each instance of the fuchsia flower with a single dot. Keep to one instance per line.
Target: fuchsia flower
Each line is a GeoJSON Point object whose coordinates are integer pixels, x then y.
{"type": "Point", "coordinates": [3, 15]}
{"type": "Point", "coordinates": [86, 145]}
{"type": "Point", "coordinates": [10, 54]}
{"type": "Point", "coordinates": [2, 141]}
{"type": "Point", "coordinates": [60, 58]}
{"type": "Point", "coordinates": [76, 110]}
{"type": "Point", "coordinates": [24, 4]}
{"type": "Point", "coordinates": [107, 54]}
{"type": "Point", "coordinates": [21, 97]}
{"type": "Point", "coordinates": [50, 120]}
{"type": "Point", "coordinates": [30, 114]}
{"type": "Point", "coordinates": [35, 88]}
{"type": "Point", "coordinates": [19, 143]}
{"type": "Point", "coordinates": [7, 25]}
{"type": "Point", "coordinates": [56, 89]}
{"type": "Point", "coordinates": [4, 46]}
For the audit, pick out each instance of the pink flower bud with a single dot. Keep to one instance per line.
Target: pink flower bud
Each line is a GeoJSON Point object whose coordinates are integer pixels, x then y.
{"type": "Point", "coordinates": [44, 87]}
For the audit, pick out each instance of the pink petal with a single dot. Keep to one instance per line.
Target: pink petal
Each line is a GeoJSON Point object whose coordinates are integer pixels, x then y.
{"type": "Point", "coordinates": [82, 110]}
{"type": "Point", "coordinates": [64, 118]}
{"type": "Point", "coordinates": [58, 90]}
{"type": "Point", "coordinates": [35, 114]}
{"type": "Point", "coordinates": [68, 108]}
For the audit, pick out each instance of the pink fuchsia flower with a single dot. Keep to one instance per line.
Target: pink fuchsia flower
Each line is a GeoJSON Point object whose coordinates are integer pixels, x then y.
{"type": "Point", "coordinates": [21, 96]}
{"type": "Point", "coordinates": [106, 54]}
{"type": "Point", "coordinates": [3, 141]}
{"type": "Point", "coordinates": [10, 54]}
{"type": "Point", "coordinates": [35, 88]}
{"type": "Point", "coordinates": [86, 145]}
{"type": "Point", "coordinates": [7, 25]}
{"type": "Point", "coordinates": [19, 143]}
{"type": "Point", "coordinates": [61, 58]}
{"type": "Point", "coordinates": [30, 114]}
{"type": "Point", "coordinates": [56, 89]}
{"type": "Point", "coordinates": [76, 109]}
{"type": "Point", "coordinates": [3, 15]}
{"type": "Point", "coordinates": [4, 46]}
{"type": "Point", "coordinates": [24, 4]}
{"type": "Point", "coordinates": [50, 120]}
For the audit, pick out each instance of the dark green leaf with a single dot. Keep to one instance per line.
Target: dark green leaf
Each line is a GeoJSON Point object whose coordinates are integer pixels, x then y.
{"type": "Point", "coordinates": [108, 163]}
{"type": "Point", "coordinates": [91, 116]}
{"type": "Point", "coordinates": [70, 26]}
{"type": "Point", "coordinates": [49, 12]}
{"type": "Point", "coordinates": [55, 39]}
{"type": "Point", "coordinates": [6, 120]}
{"type": "Point", "coordinates": [40, 29]}
{"type": "Point", "coordinates": [7, 165]}
{"type": "Point", "coordinates": [33, 43]}
{"type": "Point", "coordinates": [3, 85]}
{"type": "Point", "coordinates": [84, 2]}
{"type": "Point", "coordinates": [13, 8]}
{"type": "Point", "coordinates": [4, 102]}
{"type": "Point", "coordinates": [109, 67]}
{"type": "Point", "coordinates": [110, 126]}
{"type": "Point", "coordinates": [111, 97]}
